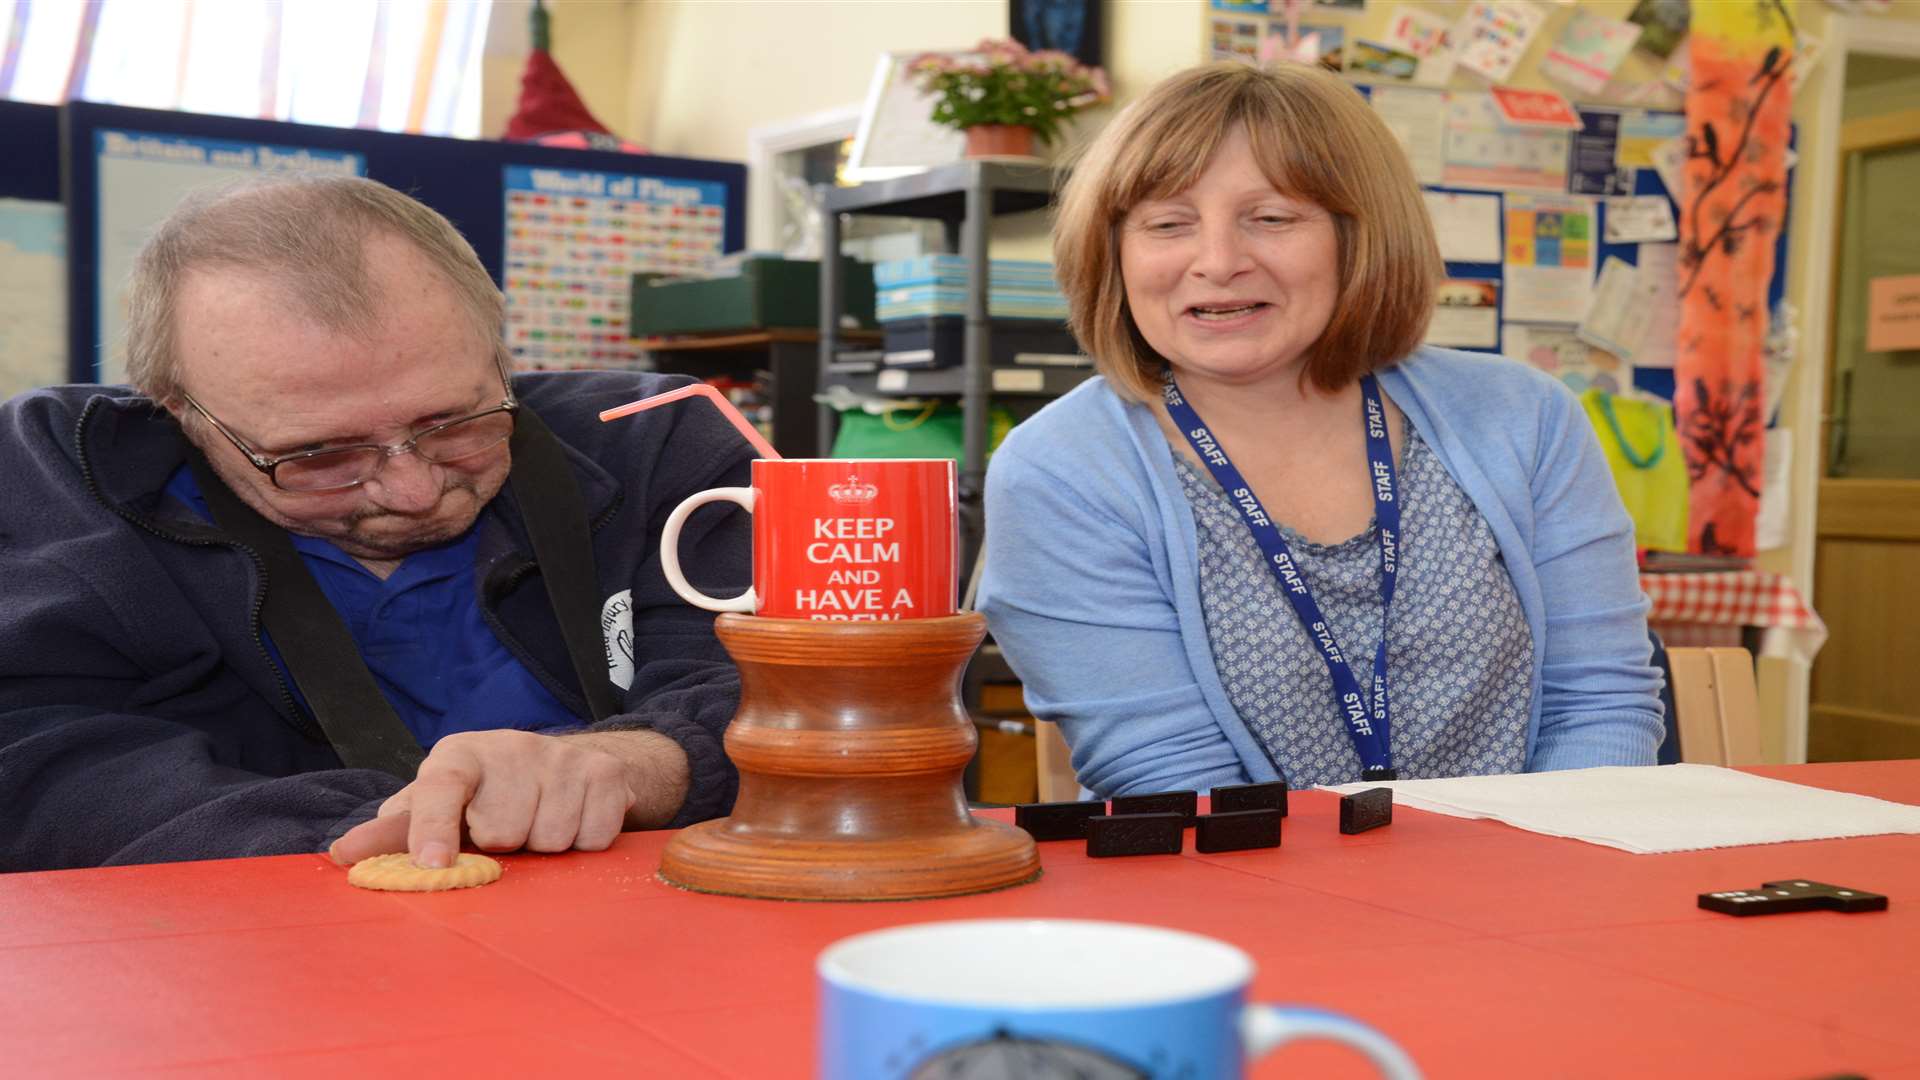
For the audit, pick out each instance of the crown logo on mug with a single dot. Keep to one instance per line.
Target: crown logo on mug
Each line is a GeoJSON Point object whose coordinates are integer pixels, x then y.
{"type": "Point", "coordinates": [853, 490]}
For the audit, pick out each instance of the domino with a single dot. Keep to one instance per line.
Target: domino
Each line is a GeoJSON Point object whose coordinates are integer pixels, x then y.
{"type": "Point", "coordinates": [1184, 803]}
{"type": "Point", "coordinates": [1794, 894]}
{"type": "Point", "coordinates": [1057, 820]}
{"type": "Point", "coordinates": [1136, 834]}
{"type": "Point", "coordinates": [1237, 797]}
{"type": "Point", "coordinates": [1239, 830]}
{"type": "Point", "coordinates": [1365, 810]}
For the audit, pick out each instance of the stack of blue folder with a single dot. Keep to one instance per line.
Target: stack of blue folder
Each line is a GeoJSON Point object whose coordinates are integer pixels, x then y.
{"type": "Point", "coordinates": [933, 285]}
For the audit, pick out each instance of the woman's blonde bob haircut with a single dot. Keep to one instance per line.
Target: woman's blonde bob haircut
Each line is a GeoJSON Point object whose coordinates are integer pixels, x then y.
{"type": "Point", "coordinates": [1316, 138]}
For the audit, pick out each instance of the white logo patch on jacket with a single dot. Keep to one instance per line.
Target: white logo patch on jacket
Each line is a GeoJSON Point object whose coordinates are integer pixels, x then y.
{"type": "Point", "coordinates": [616, 628]}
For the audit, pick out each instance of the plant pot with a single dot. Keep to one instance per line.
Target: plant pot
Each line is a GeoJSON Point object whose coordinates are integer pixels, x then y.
{"type": "Point", "coordinates": [999, 140]}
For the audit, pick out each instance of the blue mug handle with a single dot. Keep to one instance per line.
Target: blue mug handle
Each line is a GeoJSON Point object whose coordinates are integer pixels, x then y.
{"type": "Point", "coordinates": [1264, 1028]}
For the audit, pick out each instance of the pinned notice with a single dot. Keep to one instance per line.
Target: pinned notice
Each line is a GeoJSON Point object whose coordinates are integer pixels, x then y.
{"type": "Point", "coordinates": [1535, 108]}
{"type": "Point", "coordinates": [1640, 219]}
{"type": "Point", "coordinates": [1893, 313]}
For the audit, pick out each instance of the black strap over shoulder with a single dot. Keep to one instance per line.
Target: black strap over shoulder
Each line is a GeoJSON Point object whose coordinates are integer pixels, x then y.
{"type": "Point", "coordinates": [314, 641]}
{"type": "Point", "coordinates": [321, 654]}
{"type": "Point", "coordinates": [556, 518]}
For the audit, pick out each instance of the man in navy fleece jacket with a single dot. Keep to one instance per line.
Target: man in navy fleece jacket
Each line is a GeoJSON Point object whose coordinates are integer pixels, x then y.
{"type": "Point", "coordinates": [145, 715]}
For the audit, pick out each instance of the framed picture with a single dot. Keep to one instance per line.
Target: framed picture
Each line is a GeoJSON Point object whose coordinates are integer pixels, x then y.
{"type": "Point", "coordinates": [1072, 26]}
{"type": "Point", "coordinates": [897, 134]}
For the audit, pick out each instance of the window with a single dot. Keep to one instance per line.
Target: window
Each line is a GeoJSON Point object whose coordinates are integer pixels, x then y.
{"type": "Point", "coordinates": [396, 65]}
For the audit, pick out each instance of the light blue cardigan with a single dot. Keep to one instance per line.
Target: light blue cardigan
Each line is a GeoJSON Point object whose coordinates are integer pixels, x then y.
{"type": "Point", "coordinates": [1092, 586]}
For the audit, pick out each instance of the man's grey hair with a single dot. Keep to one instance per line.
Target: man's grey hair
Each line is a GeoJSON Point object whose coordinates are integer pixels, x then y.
{"type": "Point", "coordinates": [308, 234]}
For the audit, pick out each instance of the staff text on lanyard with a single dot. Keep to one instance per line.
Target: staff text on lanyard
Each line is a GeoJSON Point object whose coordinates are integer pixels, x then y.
{"type": "Point", "coordinates": [1368, 722]}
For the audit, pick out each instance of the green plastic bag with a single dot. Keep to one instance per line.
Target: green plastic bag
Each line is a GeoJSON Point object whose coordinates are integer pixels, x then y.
{"type": "Point", "coordinates": [912, 429]}
{"type": "Point", "coordinates": [1648, 466]}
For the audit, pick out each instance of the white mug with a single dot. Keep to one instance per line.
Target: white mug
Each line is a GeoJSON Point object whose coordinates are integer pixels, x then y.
{"type": "Point", "coordinates": [1099, 1000]}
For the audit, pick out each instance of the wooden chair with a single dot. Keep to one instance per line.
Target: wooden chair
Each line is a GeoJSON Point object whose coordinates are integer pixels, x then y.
{"type": "Point", "coordinates": [1057, 783]}
{"type": "Point", "coordinates": [1717, 706]}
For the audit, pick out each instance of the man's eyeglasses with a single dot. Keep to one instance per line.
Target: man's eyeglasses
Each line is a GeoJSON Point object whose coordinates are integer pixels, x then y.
{"type": "Point", "coordinates": [337, 468]}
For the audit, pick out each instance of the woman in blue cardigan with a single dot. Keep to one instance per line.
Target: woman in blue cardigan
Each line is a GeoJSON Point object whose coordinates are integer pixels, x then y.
{"type": "Point", "coordinates": [1277, 538]}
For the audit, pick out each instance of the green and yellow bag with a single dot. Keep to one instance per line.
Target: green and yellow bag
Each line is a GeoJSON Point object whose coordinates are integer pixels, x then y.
{"type": "Point", "coordinates": [913, 429]}
{"type": "Point", "coordinates": [1648, 466]}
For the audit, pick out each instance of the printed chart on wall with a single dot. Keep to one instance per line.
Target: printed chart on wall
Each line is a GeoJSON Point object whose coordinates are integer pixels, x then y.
{"type": "Point", "coordinates": [142, 175]}
{"type": "Point", "coordinates": [33, 295]}
{"type": "Point", "coordinates": [575, 239]}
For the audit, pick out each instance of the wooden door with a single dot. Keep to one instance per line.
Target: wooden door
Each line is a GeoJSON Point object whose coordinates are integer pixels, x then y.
{"type": "Point", "coordinates": [1866, 682]}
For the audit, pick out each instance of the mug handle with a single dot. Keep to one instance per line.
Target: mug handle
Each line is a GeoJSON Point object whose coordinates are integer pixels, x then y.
{"type": "Point", "coordinates": [670, 550]}
{"type": "Point", "coordinates": [1264, 1028]}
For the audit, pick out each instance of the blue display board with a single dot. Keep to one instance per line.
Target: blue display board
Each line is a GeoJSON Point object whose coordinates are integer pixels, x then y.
{"type": "Point", "coordinates": [30, 163]}
{"type": "Point", "coordinates": [464, 179]}
{"type": "Point", "coordinates": [1593, 174]}
{"type": "Point", "coordinates": [576, 237]}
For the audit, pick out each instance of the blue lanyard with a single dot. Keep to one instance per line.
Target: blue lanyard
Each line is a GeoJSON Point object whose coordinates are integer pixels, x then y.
{"type": "Point", "coordinates": [1368, 727]}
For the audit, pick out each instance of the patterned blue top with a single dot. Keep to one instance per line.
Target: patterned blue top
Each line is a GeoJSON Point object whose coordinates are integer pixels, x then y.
{"type": "Point", "coordinates": [1459, 662]}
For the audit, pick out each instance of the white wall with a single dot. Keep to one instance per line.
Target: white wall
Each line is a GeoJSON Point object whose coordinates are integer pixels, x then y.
{"type": "Point", "coordinates": [705, 72]}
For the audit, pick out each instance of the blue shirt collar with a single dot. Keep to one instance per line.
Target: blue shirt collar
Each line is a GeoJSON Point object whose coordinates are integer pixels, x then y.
{"type": "Point", "coordinates": [427, 564]}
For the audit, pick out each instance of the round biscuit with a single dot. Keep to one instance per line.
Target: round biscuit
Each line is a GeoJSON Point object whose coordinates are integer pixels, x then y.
{"type": "Point", "coordinates": [397, 873]}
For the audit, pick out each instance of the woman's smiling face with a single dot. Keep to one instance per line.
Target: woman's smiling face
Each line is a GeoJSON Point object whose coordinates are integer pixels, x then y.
{"type": "Point", "coordinates": [1230, 280]}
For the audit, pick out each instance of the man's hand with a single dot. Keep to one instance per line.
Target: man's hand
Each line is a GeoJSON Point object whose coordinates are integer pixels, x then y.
{"type": "Point", "coordinates": [518, 789]}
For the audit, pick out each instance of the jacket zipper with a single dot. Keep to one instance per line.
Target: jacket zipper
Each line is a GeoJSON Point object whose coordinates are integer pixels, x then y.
{"type": "Point", "coordinates": [291, 712]}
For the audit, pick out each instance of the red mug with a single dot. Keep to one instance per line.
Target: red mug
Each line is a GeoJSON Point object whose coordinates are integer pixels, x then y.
{"type": "Point", "coordinates": [837, 539]}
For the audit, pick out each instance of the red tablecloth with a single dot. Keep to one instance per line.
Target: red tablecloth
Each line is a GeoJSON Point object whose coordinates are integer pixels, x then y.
{"type": "Point", "coordinates": [1713, 608]}
{"type": "Point", "coordinates": [1486, 951]}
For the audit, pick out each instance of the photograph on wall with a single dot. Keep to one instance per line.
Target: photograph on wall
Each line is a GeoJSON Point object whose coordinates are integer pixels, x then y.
{"type": "Point", "coordinates": [142, 176]}
{"type": "Point", "coordinates": [574, 240]}
{"type": "Point", "coordinates": [1071, 26]}
{"type": "Point", "coordinates": [1312, 43]}
{"type": "Point", "coordinates": [1466, 314]}
{"type": "Point", "coordinates": [1233, 39]}
{"type": "Point", "coordinates": [1663, 23]}
{"type": "Point", "coordinates": [1382, 61]}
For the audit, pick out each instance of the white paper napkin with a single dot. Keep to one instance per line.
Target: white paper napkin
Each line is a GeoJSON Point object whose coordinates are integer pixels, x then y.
{"type": "Point", "coordinates": [1656, 809]}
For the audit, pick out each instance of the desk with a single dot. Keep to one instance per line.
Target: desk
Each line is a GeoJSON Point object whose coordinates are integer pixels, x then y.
{"type": "Point", "coordinates": [1486, 951]}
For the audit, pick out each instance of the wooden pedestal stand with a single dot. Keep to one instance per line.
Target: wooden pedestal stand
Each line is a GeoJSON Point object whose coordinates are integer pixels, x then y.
{"type": "Point", "coordinates": [850, 742]}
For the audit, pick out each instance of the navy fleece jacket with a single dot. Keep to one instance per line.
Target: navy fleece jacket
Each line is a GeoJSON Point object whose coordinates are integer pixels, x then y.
{"type": "Point", "coordinates": [141, 719]}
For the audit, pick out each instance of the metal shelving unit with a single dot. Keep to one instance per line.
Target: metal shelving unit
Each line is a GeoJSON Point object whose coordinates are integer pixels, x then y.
{"type": "Point", "coordinates": [964, 197]}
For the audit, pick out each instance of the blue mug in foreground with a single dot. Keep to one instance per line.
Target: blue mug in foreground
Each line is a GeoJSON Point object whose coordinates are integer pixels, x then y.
{"type": "Point", "coordinates": [1016, 998]}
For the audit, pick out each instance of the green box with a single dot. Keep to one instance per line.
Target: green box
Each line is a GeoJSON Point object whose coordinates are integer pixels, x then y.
{"type": "Point", "coordinates": [768, 293]}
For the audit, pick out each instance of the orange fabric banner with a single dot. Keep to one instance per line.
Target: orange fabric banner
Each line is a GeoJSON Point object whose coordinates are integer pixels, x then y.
{"type": "Point", "coordinates": [1732, 207]}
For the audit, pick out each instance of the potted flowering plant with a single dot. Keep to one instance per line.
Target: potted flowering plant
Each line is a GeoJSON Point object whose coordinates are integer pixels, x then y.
{"type": "Point", "coordinates": [1006, 97]}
